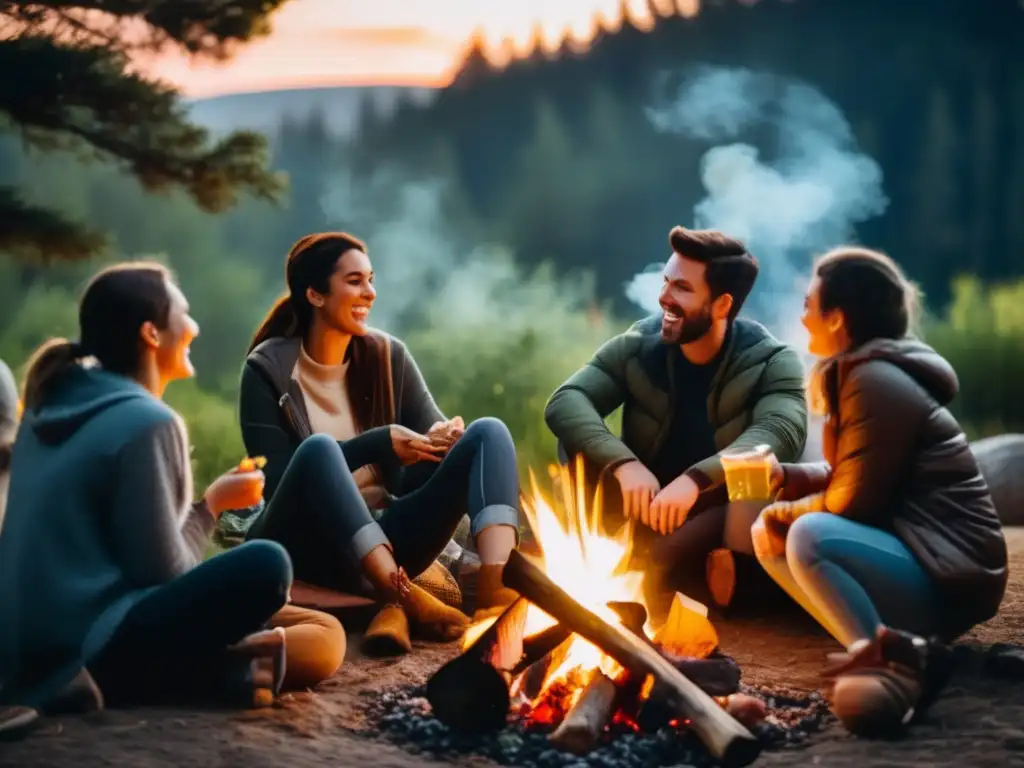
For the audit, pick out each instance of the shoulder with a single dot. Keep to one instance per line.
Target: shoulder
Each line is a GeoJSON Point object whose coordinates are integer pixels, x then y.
{"type": "Point", "coordinates": [150, 420]}
{"type": "Point", "coordinates": [754, 346]}
{"type": "Point", "coordinates": [880, 385]}
{"type": "Point", "coordinates": [274, 359]}
{"type": "Point", "coordinates": [642, 335]}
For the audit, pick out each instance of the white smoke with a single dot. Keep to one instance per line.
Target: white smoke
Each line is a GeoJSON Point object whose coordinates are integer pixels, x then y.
{"type": "Point", "coordinates": [806, 199]}
{"type": "Point", "coordinates": [427, 270]}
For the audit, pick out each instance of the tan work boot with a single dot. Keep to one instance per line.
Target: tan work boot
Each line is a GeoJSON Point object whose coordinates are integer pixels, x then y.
{"type": "Point", "coordinates": [492, 596]}
{"type": "Point", "coordinates": [388, 633]}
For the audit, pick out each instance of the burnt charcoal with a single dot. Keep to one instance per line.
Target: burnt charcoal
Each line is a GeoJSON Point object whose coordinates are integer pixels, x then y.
{"type": "Point", "coordinates": [403, 717]}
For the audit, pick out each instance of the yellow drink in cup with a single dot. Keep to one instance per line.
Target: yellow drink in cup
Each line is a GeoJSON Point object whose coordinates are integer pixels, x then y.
{"type": "Point", "coordinates": [748, 474]}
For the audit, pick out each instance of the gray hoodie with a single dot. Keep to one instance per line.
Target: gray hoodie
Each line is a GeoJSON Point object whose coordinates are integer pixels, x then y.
{"type": "Point", "coordinates": [99, 514]}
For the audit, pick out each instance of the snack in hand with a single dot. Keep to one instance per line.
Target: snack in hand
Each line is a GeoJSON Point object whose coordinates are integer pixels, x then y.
{"type": "Point", "coordinates": [252, 463]}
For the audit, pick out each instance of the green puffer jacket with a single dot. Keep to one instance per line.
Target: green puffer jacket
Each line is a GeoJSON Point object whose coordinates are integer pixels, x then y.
{"type": "Point", "coordinates": [757, 397]}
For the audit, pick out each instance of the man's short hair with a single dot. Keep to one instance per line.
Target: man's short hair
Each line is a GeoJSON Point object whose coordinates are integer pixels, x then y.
{"type": "Point", "coordinates": [729, 267]}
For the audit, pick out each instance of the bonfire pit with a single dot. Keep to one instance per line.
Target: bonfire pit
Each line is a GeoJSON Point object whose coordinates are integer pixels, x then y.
{"type": "Point", "coordinates": [576, 659]}
{"type": "Point", "coordinates": [587, 672]}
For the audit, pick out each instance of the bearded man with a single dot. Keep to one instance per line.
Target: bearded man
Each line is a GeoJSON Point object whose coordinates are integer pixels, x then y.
{"type": "Point", "coordinates": [694, 381]}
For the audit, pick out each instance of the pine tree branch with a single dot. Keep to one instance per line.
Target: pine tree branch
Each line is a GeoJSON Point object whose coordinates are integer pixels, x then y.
{"type": "Point", "coordinates": [39, 234]}
{"type": "Point", "coordinates": [85, 92]}
{"type": "Point", "coordinates": [207, 28]}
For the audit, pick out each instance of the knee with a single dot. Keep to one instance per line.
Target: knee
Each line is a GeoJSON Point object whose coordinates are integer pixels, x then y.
{"type": "Point", "coordinates": [317, 449]}
{"type": "Point", "coordinates": [268, 566]}
{"type": "Point", "coordinates": [322, 655]}
{"type": "Point", "coordinates": [805, 541]}
{"type": "Point", "coordinates": [489, 430]}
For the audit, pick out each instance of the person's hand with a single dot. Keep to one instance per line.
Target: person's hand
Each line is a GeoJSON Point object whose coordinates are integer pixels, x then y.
{"type": "Point", "coordinates": [769, 533]}
{"type": "Point", "coordinates": [411, 447]}
{"type": "Point", "coordinates": [781, 513]}
{"type": "Point", "coordinates": [235, 489]}
{"type": "Point", "coordinates": [671, 506]}
{"type": "Point", "coordinates": [446, 433]}
{"type": "Point", "coordinates": [776, 475]}
{"type": "Point", "coordinates": [639, 487]}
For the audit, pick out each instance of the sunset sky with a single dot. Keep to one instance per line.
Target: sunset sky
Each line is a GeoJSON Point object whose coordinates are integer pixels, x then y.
{"type": "Point", "coordinates": [325, 42]}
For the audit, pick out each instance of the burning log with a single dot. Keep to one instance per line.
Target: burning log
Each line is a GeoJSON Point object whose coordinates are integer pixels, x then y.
{"type": "Point", "coordinates": [471, 692]}
{"type": "Point", "coordinates": [725, 738]}
{"type": "Point", "coordinates": [581, 729]}
{"type": "Point", "coordinates": [716, 675]}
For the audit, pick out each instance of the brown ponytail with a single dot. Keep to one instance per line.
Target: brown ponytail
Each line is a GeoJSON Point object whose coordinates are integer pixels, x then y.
{"type": "Point", "coordinates": [48, 364]}
{"type": "Point", "coordinates": [281, 321]}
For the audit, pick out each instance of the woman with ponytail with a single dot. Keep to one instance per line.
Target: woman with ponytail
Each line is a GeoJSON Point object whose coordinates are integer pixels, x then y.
{"type": "Point", "coordinates": [105, 593]}
{"type": "Point", "coordinates": [347, 426]}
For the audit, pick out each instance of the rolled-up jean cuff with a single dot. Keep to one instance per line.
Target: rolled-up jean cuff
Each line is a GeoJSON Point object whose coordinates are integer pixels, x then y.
{"type": "Point", "coordinates": [495, 514]}
{"type": "Point", "coordinates": [365, 540]}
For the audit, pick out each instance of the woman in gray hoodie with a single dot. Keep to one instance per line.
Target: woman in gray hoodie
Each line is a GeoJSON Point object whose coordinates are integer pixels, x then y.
{"type": "Point", "coordinates": [102, 572]}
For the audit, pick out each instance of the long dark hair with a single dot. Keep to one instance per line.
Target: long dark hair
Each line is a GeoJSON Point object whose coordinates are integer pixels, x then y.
{"type": "Point", "coordinates": [877, 302]}
{"type": "Point", "coordinates": [310, 264]}
{"type": "Point", "coordinates": [116, 303]}
{"type": "Point", "coordinates": [869, 288]}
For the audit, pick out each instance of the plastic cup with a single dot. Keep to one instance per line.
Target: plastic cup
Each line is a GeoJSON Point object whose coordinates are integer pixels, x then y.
{"type": "Point", "coordinates": [748, 474]}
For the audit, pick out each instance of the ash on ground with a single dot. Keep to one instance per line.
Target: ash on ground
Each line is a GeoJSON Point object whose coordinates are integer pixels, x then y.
{"type": "Point", "coordinates": [404, 717]}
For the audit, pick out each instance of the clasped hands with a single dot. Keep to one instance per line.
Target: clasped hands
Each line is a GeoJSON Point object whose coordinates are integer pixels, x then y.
{"type": "Point", "coordinates": [660, 509]}
{"type": "Point", "coordinates": [411, 447]}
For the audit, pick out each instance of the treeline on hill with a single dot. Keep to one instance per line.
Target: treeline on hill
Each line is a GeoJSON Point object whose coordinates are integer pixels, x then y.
{"type": "Point", "coordinates": [554, 166]}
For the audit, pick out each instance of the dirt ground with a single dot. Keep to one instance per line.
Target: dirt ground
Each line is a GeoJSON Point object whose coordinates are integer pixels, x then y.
{"type": "Point", "coordinates": [978, 723]}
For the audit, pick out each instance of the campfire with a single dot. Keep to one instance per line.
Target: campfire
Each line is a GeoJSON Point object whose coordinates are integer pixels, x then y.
{"type": "Point", "coordinates": [578, 654]}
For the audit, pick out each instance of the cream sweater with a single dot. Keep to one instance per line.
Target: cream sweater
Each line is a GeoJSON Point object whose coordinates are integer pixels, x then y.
{"type": "Point", "coordinates": [330, 413]}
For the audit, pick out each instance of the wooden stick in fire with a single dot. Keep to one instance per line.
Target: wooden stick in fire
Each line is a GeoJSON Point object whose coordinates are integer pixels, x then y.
{"type": "Point", "coordinates": [728, 741]}
{"type": "Point", "coordinates": [581, 728]}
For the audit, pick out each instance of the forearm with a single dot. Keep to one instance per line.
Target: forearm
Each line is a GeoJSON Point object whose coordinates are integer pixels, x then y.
{"type": "Point", "coordinates": [804, 479]}
{"type": "Point", "coordinates": [370, 447]}
{"type": "Point", "coordinates": [575, 421]}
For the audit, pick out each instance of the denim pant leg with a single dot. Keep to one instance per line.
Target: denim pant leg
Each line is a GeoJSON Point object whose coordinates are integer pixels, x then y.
{"type": "Point", "coordinates": [478, 476]}
{"type": "Point", "coordinates": [858, 577]}
{"type": "Point", "coordinates": [318, 515]}
{"type": "Point", "coordinates": [171, 646]}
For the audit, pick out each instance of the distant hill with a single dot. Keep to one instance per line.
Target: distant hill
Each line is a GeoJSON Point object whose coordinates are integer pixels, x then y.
{"type": "Point", "coordinates": [340, 105]}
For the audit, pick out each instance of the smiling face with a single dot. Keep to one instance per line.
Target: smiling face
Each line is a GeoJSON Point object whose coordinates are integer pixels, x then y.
{"type": "Point", "coordinates": [826, 331]}
{"type": "Point", "coordinates": [350, 294]}
{"type": "Point", "coordinates": [688, 310]}
{"type": "Point", "coordinates": [172, 345]}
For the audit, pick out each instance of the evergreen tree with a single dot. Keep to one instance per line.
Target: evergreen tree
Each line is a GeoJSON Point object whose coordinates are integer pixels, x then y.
{"type": "Point", "coordinates": [75, 89]}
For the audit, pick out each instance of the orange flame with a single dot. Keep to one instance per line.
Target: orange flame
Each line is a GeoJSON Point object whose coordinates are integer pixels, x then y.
{"type": "Point", "coordinates": [591, 567]}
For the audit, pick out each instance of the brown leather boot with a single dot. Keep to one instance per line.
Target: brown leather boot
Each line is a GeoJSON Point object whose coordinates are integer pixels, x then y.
{"type": "Point", "coordinates": [492, 596]}
{"type": "Point", "coordinates": [426, 613]}
{"type": "Point", "coordinates": [882, 683]}
{"type": "Point", "coordinates": [433, 619]}
{"type": "Point", "coordinates": [388, 633]}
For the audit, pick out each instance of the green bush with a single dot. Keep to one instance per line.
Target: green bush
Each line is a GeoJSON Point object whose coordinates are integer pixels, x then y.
{"type": "Point", "coordinates": [982, 336]}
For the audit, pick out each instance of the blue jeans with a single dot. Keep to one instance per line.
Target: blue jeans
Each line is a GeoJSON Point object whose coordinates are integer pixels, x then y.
{"type": "Point", "coordinates": [319, 516]}
{"type": "Point", "coordinates": [171, 646]}
{"type": "Point", "coordinates": [852, 577]}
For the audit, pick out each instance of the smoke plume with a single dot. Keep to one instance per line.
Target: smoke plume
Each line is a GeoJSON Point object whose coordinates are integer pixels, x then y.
{"type": "Point", "coordinates": [807, 198]}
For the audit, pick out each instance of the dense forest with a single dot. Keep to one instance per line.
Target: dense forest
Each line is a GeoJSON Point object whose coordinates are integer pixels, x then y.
{"type": "Point", "coordinates": [509, 218]}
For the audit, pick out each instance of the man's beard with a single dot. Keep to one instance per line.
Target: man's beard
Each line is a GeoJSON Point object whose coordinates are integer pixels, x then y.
{"type": "Point", "coordinates": [692, 328]}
